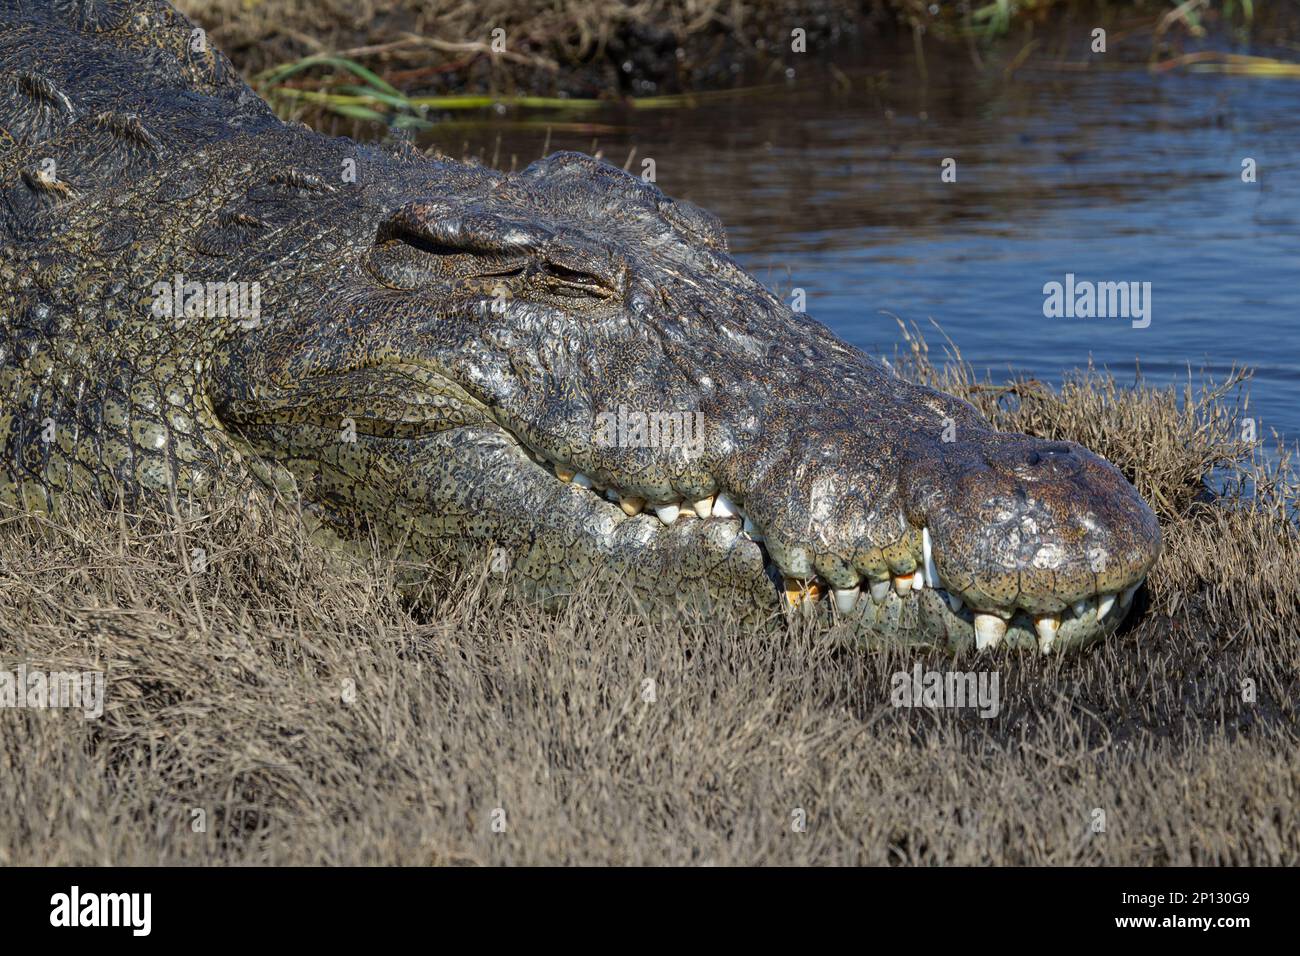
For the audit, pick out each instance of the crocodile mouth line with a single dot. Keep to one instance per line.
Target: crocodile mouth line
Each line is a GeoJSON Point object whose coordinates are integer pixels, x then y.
{"type": "Point", "coordinates": [905, 576]}
{"type": "Point", "coordinates": [873, 596]}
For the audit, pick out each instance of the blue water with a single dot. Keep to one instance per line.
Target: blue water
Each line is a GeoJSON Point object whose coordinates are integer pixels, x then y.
{"type": "Point", "coordinates": [1112, 176]}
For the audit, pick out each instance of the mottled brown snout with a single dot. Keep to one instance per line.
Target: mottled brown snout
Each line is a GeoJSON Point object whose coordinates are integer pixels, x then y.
{"type": "Point", "coordinates": [1017, 521]}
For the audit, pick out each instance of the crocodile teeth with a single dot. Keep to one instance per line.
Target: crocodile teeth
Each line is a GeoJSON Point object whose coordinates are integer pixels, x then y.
{"type": "Point", "coordinates": [1081, 607]}
{"type": "Point", "coordinates": [846, 599]}
{"type": "Point", "coordinates": [752, 531]}
{"type": "Point", "coordinates": [989, 630]}
{"type": "Point", "coordinates": [631, 505]}
{"type": "Point", "coordinates": [902, 584]}
{"type": "Point", "coordinates": [798, 591]}
{"type": "Point", "coordinates": [1104, 603]}
{"type": "Point", "coordinates": [612, 495]}
{"type": "Point", "coordinates": [954, 601]}
{"type": "Point", "coordinates": [1047, 626]}
{"type": "Point", "coordinates": [931, 569]}
{"type": "Point", "coordinates": [1126, 595]}
{"type": "Point", "coordinates": [704, 507]}
{"type": "Point", "coordinates": [918, 580]}
{"type": "Point", "coordinates": [686, 509]}
{"type": "Point", "coordinates": [582, 481]}
{"type": "Point", "coordinates": [667, 513]}
{"type": "Point", "coordinates": [879, 591]}
{"type": "Point", "coordinates": [564, 474]}
{"type": "Point", "coordinates": [724, 507]}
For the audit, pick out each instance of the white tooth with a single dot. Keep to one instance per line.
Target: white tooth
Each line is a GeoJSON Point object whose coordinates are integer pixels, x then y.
{"type": "Point", "coordinates": [612, 495]}
{"type": "Point", "coordinates": [582, 481]}
{"type": "Point", "coordinates": [687, 509]}
{"type": "Point", "coordinates": [1126, 595]}
{"type": "Point", "coordinates": [704, 507]}
{"type": "Point", "coordinates": [903, 584]}
{"type": "Point", "coordinates": [846, 599]}
{"type": "Point", "coordinates": [1104, 603]}
{"type": "Point", "coordinates": [724, 507]}
{"type": "Point", "coordinates": [631, 505]}
{"type": "Point", "coordinates": [879, 591]}
{"type": "Point", "coordinates": [989, 630]}
{"type": "Point", "coordinates": [1047, 626]}
{"type": "Point", "coordinates": [750, 530]}
{"type": "Point", "coordinates": [931, 569]}
{"type": "Point", "coordinates": [918, 580]}
{"type": "Point", "coordinates": [1081, 607]}
{"type": "Point", "coordinates": [667, 513]}
{"type": "Point", "coordinates": [954, 601]}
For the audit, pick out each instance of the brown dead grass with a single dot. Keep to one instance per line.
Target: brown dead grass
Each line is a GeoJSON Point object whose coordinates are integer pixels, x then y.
{"type": "Point", "coordinates": [587, 47]}
{"type": "Point", "coordinates": [602, 47]}
{"type": "Point", "coordinates": [228, 691]}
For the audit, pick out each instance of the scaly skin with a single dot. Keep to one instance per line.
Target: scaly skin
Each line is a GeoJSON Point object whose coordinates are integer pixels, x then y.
{"type": "Point", "coordinates": [438, 346]}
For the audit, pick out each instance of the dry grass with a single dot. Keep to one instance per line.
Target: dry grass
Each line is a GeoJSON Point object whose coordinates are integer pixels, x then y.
{"type": "Point", "coordinates": [228, 692]}
{"type": "Point", "coordinates": [596, 48]}
{"type": "Point", "coordinates": [577, 46]}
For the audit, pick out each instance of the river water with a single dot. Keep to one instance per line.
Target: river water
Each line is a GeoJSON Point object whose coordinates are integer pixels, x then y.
{"type": "Point", "coordinates": [834, 184]}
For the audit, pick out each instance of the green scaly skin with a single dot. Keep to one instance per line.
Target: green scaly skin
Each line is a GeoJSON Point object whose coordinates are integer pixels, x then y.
{"type": "Point", "coordinates": [437, 346]}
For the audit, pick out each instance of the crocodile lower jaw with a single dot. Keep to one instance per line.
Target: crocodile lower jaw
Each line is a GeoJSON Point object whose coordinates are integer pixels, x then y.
{"type": "Point", "coordinates": [1083, 621]}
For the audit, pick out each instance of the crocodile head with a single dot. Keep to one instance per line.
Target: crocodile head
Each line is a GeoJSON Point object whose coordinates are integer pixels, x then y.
{"type": "Point", "coordinates": [563, 364]}
{"type": "Point", "coordinates": [567, 365]}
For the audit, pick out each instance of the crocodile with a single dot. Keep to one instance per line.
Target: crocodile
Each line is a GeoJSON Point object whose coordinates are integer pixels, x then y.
{"type": "Point", "coordinates": [561, 367]}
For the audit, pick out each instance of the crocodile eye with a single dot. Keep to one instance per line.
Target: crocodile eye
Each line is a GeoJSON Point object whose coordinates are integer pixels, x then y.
{"type": "Point", "coordinates": [561, 280]}
{"type": "Point", "coordinates": [407, 261]}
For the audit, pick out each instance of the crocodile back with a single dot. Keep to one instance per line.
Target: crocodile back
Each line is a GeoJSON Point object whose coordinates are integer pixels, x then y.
{"type": "Point", "coordinates": [97, 92]}
{"type": "Point", "coordinates": [118, 121]}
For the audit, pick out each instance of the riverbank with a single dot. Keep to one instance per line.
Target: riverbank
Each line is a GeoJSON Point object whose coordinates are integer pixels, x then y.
{"type": "Point", "coordinates": [595, 49]}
